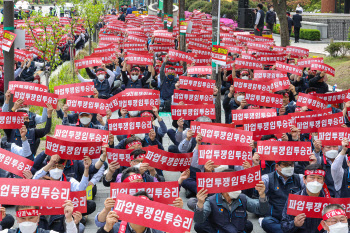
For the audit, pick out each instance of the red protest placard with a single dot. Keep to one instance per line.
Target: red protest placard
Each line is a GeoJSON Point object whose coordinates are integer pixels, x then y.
{"type": "Point", "coordinates": [178, 69]}
{"type": "Point", "coordinates": [81, 134]}
{"type": "Point", "coordinates": [248, 64]}
{"type": "Point", "coordinates": [224, 154]}
{"type": "Point", "coordinates": [332, 136]}
{"type": "Point", "coordinates": [221, 135]}
{"type": "Point", "coordinates": [110, 39]}
{"type": "Point", "coordinates": [308, 61]}
{"type": "Point", "coordinates": [311, 124]}
{"type": "Point", "coordinates": [202, 60]}
{"type": "Point", "coordinates": [36, 98]}
{"type": "Point", "coordinates": [242, 85]}
{"type": "Point", "coordinates": [163, 192]}
{"type": "Point", "coordinates": [284, 151]}
{"type": "Point", "coordinates": [279, 84]}
{"type": "Point", "coordinates": [267, 75]}
{"type": "Point", "coordinates": [107, 57]}
{"type": "Point", "coordinates": [139, 92]}
{"type": "Point", "coordinates": [199, 70]}
{"type": "Point", "coordinates": [196, 84]}
{"type": "Point", "coordinates": [88, 62]}
{"type": "Point", "coordinates": [14, 163]}
{"type": "Point", "coordinates": [139, 59]}
{"type": "Point", "coordinates": [72, 150]}
{"type": "Point", "coordinates": [11, 120]}
{"type": "Point", "coordinates": [271, 59]}
{"type": "Point", "coordinates": [27, 85]}
{"type": "Point", "coordinates": [122, 156]}
{"type": "Point", "coordinates": [235, 49]}
{"type": "Point", "coordinates": [293, 69]}
{"type": "Point", "coordinates": [192, 112]}
{"type": "Point", "coordinates": [106, 49]}
{"type": "Point", "coordinates": [311, 102]}
{"type": "Point", "coordinates": [21, 55]}
{"type": "Point", "coordinates": [7, 40]}
{"type": "Point", "coordinates": [161, 47]}
{"type": "Point", "coordinates": [264, 99]}
{"type": "Point", "coordinates": [313, 206]}
{"type": "Point", "coordinates": [317, 113]}
{"type": "Point", "coordinates": [297, 52]}
{"type": "Point", "coordinates": [239, 115]}
{"type": "Point", "coordinates": [167, 161]}
{"type": "Point", "coordinates": [128, 126]}
{"type": "Point", "coordinates": [222, 182]}
{"type": "Point", "coordinates": [267, 126]}
{"type": "Point", "coordinates": [148, 213]}
{"type": "Point", "coordinates": [35, 192]}
{"type": "Point", "coordinates": [91, 105]}
{"type": "Point", "coordinates": [78, 199]}
{"type": "Point", "coordinates": [76, 89]}
{"type": "Point", "coordinates": [193, 97]}
{"type": "Point", "coordinates": [335, 97]}
{"type": "Point", "coordinates": [201, 51]}
{"type": "Point", "coordinates": [258, 46]}
{"type": "Point", "coordinates": [323, 67]}
{"type": "Point", "coordinates": [133, 103]}
{"type": "Point", "coordinates": [177, 55]}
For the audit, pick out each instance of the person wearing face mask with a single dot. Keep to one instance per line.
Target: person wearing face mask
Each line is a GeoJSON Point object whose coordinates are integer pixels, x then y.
{"type": "Point", "coordinates": [28, 219]}
{"type": "Point", "coordinates": [84, 119]}
{"type": "Point", "coordinates": [134, 79]}
{"type": "Point", "coordinates": [288, 101]}
{"type": "Point", "coordinates": [314, 178]}
{"type": "Point", "coordinates": [227, 212]}
{"type": "Point", "coordinates": [334, 219]}
{"type": "Point", "coordinates": [7, 219]}
{"type": "Point", "coordinates": [270, 18]}
{"type": "Point", "coordinates": [101, 83]}
{"type": "Point", "coordinates": [229, 103]}
{"type": "Point", "coordinates": [319, 82]}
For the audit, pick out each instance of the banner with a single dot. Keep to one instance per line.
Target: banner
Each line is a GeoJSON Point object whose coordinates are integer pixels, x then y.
{"type": "Point", "coordinates": [130, 126]}
{"type": "Point", "coordinates": [293, 69]}
{"type": "Point", "coordinates": [88, 62]}
{"type": "Point", "coordinates": [150, 214]}
{"type": "Point", "coordinates": [258, 46]}
{"type": "Point", "coordinates": [311, 124]}
{"type": "Point", "coordinates": [333, 136]}
{"type": "Point", "coordinates": [271, 59]}
{"type": "Point", "coordinates": [267, 126]}
{"type": "Point", "coordinates": [7, 40]}
{"type": "Point", "coordinates": [81, 134]}
{"type": "Point", "coordinates": [192, 112]}
{"type": "Point", "coordinates": [266, 75]}
{"type": "Point", "coordinates": [35, 192]}
{"type": "Point", "coordinates": [235, 49]}
{"type": "Point", "coordinates": [133, 103]}
{"type": "Point", "coordinates": [221, 135]}
{"type": "Point", "coordinates": [297, 52]}
{"type": "Point", "coordinates": [335, 97]}
{"type": "Point", "coordinates": [196, 84]}
{"type": "Point", "coordinates": [306, 63]}
{"type": "Point", "coordinates": [242, 85]}
{"type": "Point", "coordinates": [193, 97]}
{"type": "Point", "coordinates": [222, 182]}
{"type": "Point", "coordinates": [264, 99]}
{"type": "Point", "coordinates": [167, 161]}
{"type": "Point", "coordinates": [11, 120]}
{"type": "Point", "coordinates": [27, 86]}
{"type": "Point", "coordinates": [107, 58]}
{"type": "Point", "coordinates": [284, 151]}
{"type": "Point", "coordinates": [219, 55]}
{"type": "Point", "coordinates": [139, 92]}
{"type": "Point", "coordinates": [163, 192]}
{"type": "Point", "coordinates": [138, 59]}
{"type": "Point", "coordinates": [323, 67]}
{"type": "Point", "coordinates": [199, 70]}
{"type": "Point", "coordinates": [91, 105]}
{"type": "Point", "coordinates": [248, 64]}
{"type": "Point", "coordinates": [224, 154]}
{"type": "Point", "coordinates": [78, 199]}
{"type": "Point", "coordinates": [239, 115]}
{"type": "Point", "coordinates": [72, 150]}
{"type": "Point", "coordinates": [176, 55]}
{"type": "Point", "coordinates": [311, 102]}
{"type": "Point", "coordinates": [178, 69]}
{"type": "Point", "coordinates": [313, 206]}
{"type": "Point", "coordinates": [161, 48]}
{"type": "Point", "coordinates": [76, 89]}
{"type": "Point", "coordinates": [122, 156]}
{"type": "Point", "coordinates": [36, 98]}
{"type": "Point", "coordinates": [279, 84]}
{"type": "Point", "coordinates": [14, 163]}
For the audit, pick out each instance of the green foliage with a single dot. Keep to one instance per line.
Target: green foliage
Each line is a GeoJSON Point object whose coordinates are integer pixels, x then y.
{"type": "Point", "coordinates": [188, 3]}
{"type": "Point", "coordinates": [306, 34]}
{"type": "Point", "coordinates": [229, 9]}
{"type": "Point", "coordinates": [338, 49]}
{"type": "Point", "coordinates": [349, 34]}
{"type": "Point", "coordinates": [198, 5]}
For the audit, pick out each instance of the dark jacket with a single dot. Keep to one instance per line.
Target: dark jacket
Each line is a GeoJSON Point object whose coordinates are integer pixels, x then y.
{"type": "Point", "coordinates": [321, 87]}
{"type": "Point", "coordinates": [290, 23]}
{"type": "Point", "coordinates": [297, 20]}
{"type": "Point", "coordinates": [128, 230]}
{"type": "Point", "coordinates": [271, 17]}
{"type": "Point", "coordinates": [262, 19]}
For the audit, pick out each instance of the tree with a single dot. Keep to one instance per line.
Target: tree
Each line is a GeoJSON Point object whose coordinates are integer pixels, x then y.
{"type": "Point", "coordinates": [280, 7]}
{"type": "Point", "coordinates": [214, 74]}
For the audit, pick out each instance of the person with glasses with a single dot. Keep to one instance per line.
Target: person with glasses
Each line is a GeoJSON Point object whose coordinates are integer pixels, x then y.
{"type": "Point", "coordinates": [334, 219]}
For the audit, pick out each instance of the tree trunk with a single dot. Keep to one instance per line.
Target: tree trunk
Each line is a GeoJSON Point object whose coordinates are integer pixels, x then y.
{"type": "Point", "coordinates": [214, 74]}
{"type": "Point", "coordinates": [90, 43]}
{"type": "Point", "coordinates": [281, 9]}
{"type": "Point", "coordinates": [182, 37]}
{"type": "Point", "coordinates": [165, 10]}
{"type": "Point", "coordinates": [170, 13]}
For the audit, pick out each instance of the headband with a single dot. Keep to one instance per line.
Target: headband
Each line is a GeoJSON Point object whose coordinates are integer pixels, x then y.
{"type": "Point", "coordinates": [333, 213]}
{"type": "Point", "coordinates": [297, 109]}
{"type": "Point", "coordinates": [244, 72]}
{"type": "Point", "coordinates": [145, 114]}
{"type": "Point", "coordinates": [100, 72]}
{"type": "Point", "coordinates": [134, 157]}
{"type": "Point", "coordinates": [26, 213]}
{"type": "Point", "coordinates": [132, 177]}
{"type": "Point", "coordinates": [132, 144]}
{"type": "Point", "coordinates": [144, 197]}
{"type": "Point", "coordinates": [312, 93]}
{"type": "Point", "coordinates": [315, 172]}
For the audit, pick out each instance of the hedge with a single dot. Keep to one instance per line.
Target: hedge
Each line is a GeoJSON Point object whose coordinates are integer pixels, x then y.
{"type": "Point", "coordinates": [306, 34]}
{"type": "Point", "coordinates": [338, 49]}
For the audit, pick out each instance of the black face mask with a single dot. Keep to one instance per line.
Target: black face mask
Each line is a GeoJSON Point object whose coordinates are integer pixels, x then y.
{"type": "Point", "coordinates": [26, 123]}
{"type": "Point", "coordinates": [142, 69]}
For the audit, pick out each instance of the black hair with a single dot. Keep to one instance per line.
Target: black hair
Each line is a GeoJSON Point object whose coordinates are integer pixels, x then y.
{"type": "Point", "coordinates": [310, 89]}
{"type": "Point", "coordinates": [134, 68]}
{"type": "Point", "coordinates": [137, 153]}
{"type": "Point", "coordinates": [126, 172]}
{"type": "Point", "coordinates": [131, 139]}
{"type": "Point", "coordinates": [143, 193]}
{"type": "Point", "coordinates": [260, 6]}
{"type": "Point", "coordinates": [268, 137]}
{"type": "Point", "coordinates": [61, 161]}
{"type": "Point", "coordinates": [228, 170]}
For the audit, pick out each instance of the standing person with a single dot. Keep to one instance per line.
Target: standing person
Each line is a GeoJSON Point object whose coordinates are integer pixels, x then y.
{"type": "Point", "coordinates": [299, 8]}
{"type": "Point", "coordinates": [270, 18]}
{"type": "Point", "coordinates": [290, 24]}
{"type": "Point", "coordinates": [259, 22]}
{"type": "Point", "coordinates": [122, 16]}
{"type": "Point", "coordinates": [297, 25]}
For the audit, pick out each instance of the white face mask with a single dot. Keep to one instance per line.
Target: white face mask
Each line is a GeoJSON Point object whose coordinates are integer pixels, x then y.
{"type": "Point", "coordinates": [85, 120]}
{"type": "Point", "coordinates": [271, 9]}
{"type": "Point", "coordinates": [245, 77]}
{"type": "Point", "coordinates": [138, 166]}
{"type": "Point", "coordinates": [221, 168]}
{"type": "Point", "coordinates": [339, 227]}
{"type": "Point", "coordinates": [331, 154]}
{"type": "Point", "coordinates": [235, 194]}
{"type": "Point", "coordinates": [0, 73]}
{"type": "Point", "coordinates": [140, 135]}
{"type": "Point", "coordinates": [101, 77]}
{"type": "Point", "coordinates": [134, 113]}
{"type": "Point", "coordinates": [56, 173]}
{"type": "Point", "coordinates": [287, 171]}
{"type": "Point", "coordinates": [27, 227]}
{"type": "Point", "coordinates": [240, 98]}
{"type": "Point", "coordinates": [134, 77]}
{"type": "Point", "coordinates": [314, 187]}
